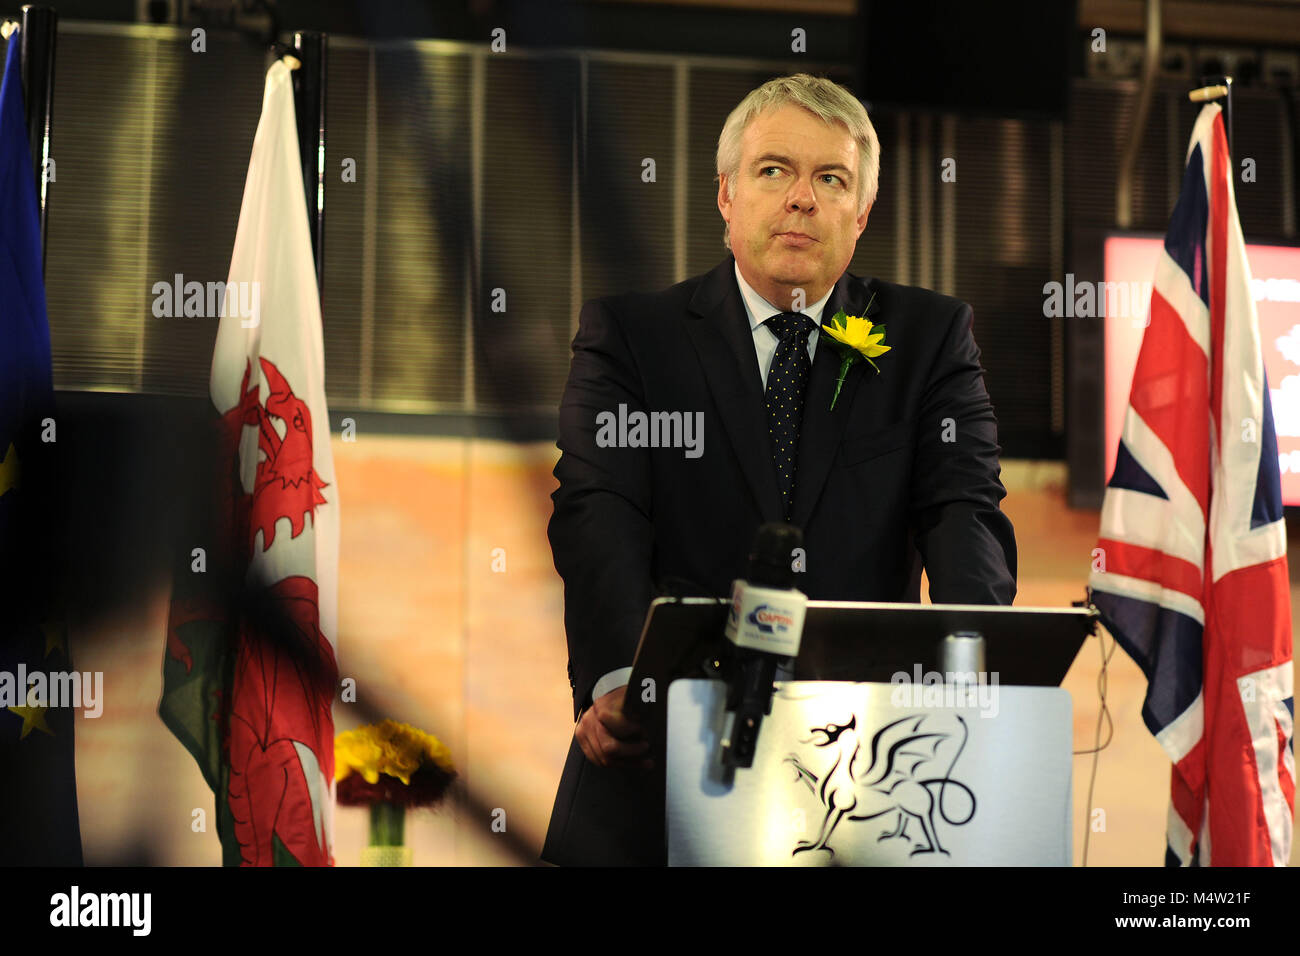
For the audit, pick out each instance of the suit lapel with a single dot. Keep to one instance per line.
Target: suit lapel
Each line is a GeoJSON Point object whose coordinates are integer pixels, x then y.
{"type": "Point", "coordinates": [819, 435]}
{"type": "Point", "coordinates": [719, 327]}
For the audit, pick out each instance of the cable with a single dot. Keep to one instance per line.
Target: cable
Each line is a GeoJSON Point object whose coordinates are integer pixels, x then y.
{"type": "Point", "coordinates": [1103, 717]}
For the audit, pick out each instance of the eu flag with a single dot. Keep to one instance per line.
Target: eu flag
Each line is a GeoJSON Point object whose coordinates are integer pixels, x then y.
{"type": "Point", "coordinates": [38, 792]}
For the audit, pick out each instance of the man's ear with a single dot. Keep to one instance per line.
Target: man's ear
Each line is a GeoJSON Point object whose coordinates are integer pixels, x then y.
{"type": "Point", "coordinates": [862, 220]}
{"type": "Point", "coordinates": [724, 201]}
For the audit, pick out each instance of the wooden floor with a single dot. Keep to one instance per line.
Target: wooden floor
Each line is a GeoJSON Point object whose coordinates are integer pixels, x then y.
{"type": "Point", "coordinates": [436, 637]}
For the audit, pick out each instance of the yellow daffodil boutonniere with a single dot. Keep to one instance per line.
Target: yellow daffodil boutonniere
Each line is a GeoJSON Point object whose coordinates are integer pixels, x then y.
{"type": "Point", "coordinates": [855, 337]}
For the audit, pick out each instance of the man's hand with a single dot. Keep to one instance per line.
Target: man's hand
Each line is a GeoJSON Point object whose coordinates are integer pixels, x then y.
{"type": "Point", "coordinates": [609, 738]}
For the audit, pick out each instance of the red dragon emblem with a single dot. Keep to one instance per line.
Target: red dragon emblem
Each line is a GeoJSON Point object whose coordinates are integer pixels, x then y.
{"type": "Point", "coordinates": [277, 731]}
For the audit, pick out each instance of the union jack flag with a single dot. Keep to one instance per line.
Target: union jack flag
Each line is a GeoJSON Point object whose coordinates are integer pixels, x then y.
{"type": "Point", "coordinates": [1190, 575]}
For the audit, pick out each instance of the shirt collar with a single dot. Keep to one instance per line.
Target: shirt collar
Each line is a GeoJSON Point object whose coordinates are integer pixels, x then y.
{"type": "Point", "coordinates": [760, 310]}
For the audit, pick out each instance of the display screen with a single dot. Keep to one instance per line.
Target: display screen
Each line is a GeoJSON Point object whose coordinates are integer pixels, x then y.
{"type": "Point", "coordinates": [1130, 265]}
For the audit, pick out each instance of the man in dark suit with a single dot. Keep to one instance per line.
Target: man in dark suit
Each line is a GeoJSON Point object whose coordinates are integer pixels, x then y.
{"type": "Point", "coordinates": [902, 472]}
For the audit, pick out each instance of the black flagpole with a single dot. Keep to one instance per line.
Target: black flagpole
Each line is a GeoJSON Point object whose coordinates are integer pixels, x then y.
{"type": "Point", "coordinates": [37, 36]}
{"type": "Point", "coordinates": [309, 105]}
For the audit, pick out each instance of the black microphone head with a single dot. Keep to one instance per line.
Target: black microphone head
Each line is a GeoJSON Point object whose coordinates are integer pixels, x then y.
{"type": "Point", "coordinates": [771, 559]}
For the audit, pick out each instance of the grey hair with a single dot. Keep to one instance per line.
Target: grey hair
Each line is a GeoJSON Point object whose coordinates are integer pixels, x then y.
{"type": "Point", "coordinates": [821, 97]}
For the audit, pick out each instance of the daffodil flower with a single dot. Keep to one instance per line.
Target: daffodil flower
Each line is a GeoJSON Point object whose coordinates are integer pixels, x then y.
{"type": "Point", "coordinates": [855, 337]}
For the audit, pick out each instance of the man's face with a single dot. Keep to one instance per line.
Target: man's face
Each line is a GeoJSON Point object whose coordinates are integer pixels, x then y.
{"type": "Point", "coordinates": [793, 219]}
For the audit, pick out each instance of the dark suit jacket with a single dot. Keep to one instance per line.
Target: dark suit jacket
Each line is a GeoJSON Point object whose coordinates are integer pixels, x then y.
{"type": "Point", "coordinates": [878, 491]}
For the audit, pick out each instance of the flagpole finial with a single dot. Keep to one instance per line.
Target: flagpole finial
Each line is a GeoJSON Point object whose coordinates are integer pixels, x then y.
{"type": "Point", "coordinates": [7, 28]}
{"type": "Point", "coordinates": [1206, 93]}
{"type": "Point", "coordinates": [291, 61]}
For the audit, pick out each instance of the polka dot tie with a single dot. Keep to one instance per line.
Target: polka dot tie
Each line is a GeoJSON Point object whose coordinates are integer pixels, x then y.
{"type": "Point", "coordinates": [786, 383]}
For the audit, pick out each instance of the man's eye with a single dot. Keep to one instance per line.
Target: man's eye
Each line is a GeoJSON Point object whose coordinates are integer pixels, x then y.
{"type": "Point", "coordinates": [765, 169]}
{"type": "Point", "coordinates": [834, 177]}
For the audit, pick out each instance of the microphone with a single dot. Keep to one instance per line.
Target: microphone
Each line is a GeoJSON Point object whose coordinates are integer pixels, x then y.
{"type": "Point", "coordinates": [765, 624]}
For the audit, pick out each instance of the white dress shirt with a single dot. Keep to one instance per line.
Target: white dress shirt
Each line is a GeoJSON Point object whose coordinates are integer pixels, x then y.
{"type": "Point", "coordinates": [759, 311]}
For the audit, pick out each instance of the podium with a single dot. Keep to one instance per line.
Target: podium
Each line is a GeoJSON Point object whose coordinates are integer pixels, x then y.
{"type": "Point", "coordinates": [870, 755]}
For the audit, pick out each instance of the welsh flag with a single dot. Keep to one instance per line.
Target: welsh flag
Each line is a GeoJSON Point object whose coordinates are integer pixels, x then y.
{"type": "Point", "coordinates": [249, 673]}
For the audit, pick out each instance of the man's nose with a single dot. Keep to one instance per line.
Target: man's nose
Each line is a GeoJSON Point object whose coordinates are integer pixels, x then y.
{"type": "Point", "coordinates": [801, 196]}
